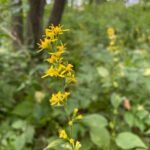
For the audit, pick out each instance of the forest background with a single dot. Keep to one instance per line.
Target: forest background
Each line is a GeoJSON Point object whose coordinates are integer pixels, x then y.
{"type": "Point", "coordinates": [113, 88]}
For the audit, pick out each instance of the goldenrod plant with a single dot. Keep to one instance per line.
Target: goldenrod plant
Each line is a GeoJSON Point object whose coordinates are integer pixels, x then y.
{"type": "Point", "coordinates": [60, 68]}
{"type": "Point", "coordinates": [112, 39]}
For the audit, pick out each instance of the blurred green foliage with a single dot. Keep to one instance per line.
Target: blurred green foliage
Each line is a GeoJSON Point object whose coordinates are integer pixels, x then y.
{"type": "Point", "coordinates": [113, 88]}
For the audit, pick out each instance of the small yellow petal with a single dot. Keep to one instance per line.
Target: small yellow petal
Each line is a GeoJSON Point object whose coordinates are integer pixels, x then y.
{"type": "Point", "coordinates": [70, 123]}
{"type": "Point", "coordinates": [79, 117]}
{"type": "Point", "coordinates": [72, 141]}
{"type": "Point", "coordinates": [63, 134]}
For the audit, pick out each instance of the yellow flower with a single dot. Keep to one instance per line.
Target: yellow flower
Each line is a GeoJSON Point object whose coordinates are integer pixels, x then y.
{"type": "Point", "coordinates": [53, 59]}
{"type": "Point", "coordinates": [72, 141]}
{"type": "Point", "coordinates": [79, 117]}
{"type": "Point", "coordinates": [147, 72]}
{"type": "Point", "coordinates": [57, 29]}
{"type": "Point", "coordinates": [59, 53]}
{"type": "Point", "coordinates": [75, 111]}
{"type": "Point", "coordinates": [78, 145]}
{"type": "Point", "coordinates": [112, 42]}
{"type": "Point", "coordinates": [49, 34]}
{"type": "Point", "coordinates": [44, 43]}
{"type": "Point", "coordinates": [70, 77]}
{"type": "Point", "coordinates": [70, 123]}
{"type": "Point", "coordinates": [61, 48]}
{"type": "Point", "coordinates": [63, 134]}
{"type": "Point", "coordinates": [61, 68]}
{"type": "Point", "coordinates": [66, 94]}
{"type": "Point", "coordinates": [51, 72]}
{"type": "Point", "coordinates": [57, 71]}
{"type": "Point", "coordinates": [59, 98]}
{"type": "Point", "coordinates": [110, 31]}
{"type": "Point", "coordinates": [68, 68]}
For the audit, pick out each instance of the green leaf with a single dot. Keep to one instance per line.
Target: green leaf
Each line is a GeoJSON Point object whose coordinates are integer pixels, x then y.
{"type": "Point", "coordinates": [95, 121]}
{"type": "Point", "coordinates": [23, 109]}
{"type": "Point", "coordinates": [129, 118]}
{"type": "Point", "coordinates": [86, 143]}
{"type": "Point", "coordinates": [128, 140]}
{"type": "Point", "coordinates": [116, 100]}
{"type": "Point", "coordinates": [142, 114]}
{"type": "Point", "coordinates": [20, 141]}
{"type": "Point", "coordinates": [100, 137]}
{"type": "Point", "coordinates": [19, 124]}
{"type": "Point", "coordinates": [54, 143]}
{"type": "Point", "coordinates": [148, 132]}
{"type": "Point", "coordinates": [29, 133]}
{"type": "Point", "coordinates": [103, 72]}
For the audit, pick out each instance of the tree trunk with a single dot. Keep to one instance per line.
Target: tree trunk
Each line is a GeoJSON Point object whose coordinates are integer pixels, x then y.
{"type": "Point", "coordinates": [57, 12]}
{"type": "Point", "coordinates": [35, 23]}
{"type": "Point", "coordinates": [72, 3]}
{"type": "Point", "coordinates": [90, 2]}
{"type": "Point", "coordinates": [98, 1]}
{"type": "Point", "coordinates": [17, 23]}
{"type": "Point", "coordinates": [95, 1]}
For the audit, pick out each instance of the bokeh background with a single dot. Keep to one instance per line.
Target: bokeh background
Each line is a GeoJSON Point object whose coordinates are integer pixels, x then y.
{"type": "Point", "coordinates": [109, 46]}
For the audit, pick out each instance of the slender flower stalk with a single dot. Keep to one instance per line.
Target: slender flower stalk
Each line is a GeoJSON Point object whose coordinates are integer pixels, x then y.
{"type": "Point", "coordinates": [60, 68]}
{"type": "Point", "coordinates": [112, 39]}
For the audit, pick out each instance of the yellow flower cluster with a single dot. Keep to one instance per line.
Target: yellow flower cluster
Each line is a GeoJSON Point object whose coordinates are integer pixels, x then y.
{"type": "Point", "coordinates": [112, 39]}
{"type": "Point", "coordinates": [59, 68]}
{"type": "Point", "coordinates": [51, 36]}
{"type": "Point", "coordinates": [59, 98]}
{"type": "Point", "coordinates": [76, 145]}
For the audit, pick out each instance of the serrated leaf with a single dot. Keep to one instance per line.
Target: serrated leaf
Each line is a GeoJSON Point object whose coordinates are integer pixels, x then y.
{"type": "Point", "coordinates": [128, 140]}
